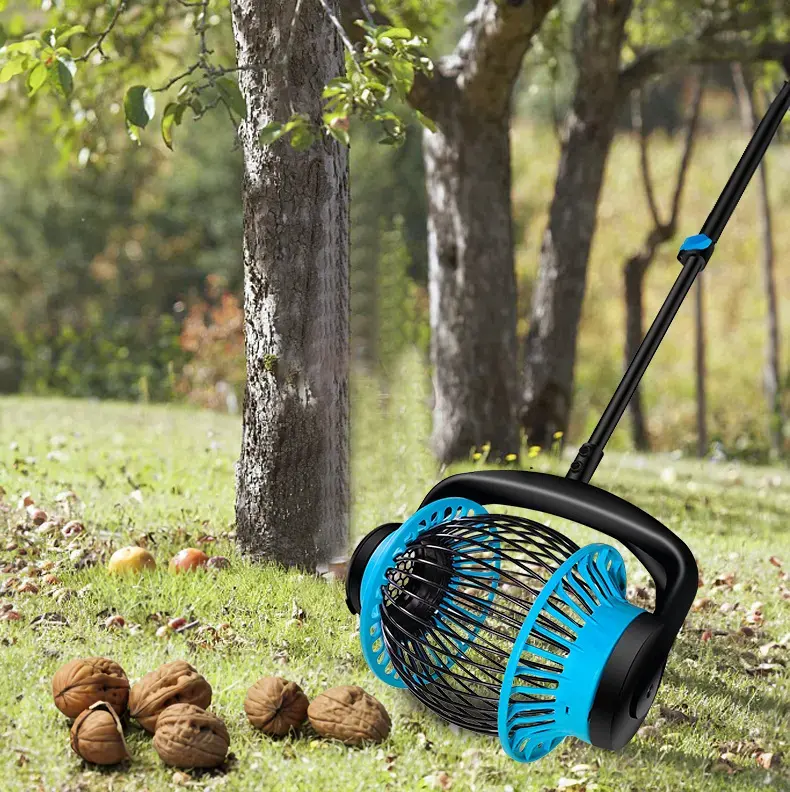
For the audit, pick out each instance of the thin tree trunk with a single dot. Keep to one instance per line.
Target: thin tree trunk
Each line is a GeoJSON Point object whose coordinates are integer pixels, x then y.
{"type": "Point", "coordinates": [637, 265]}
{"type": "Point", "coordinates": [292, 476]}
{"type": "Point", "coordinates": [557, 302]}
{"type": "Point", "coordinates": [771, 372]}
{"type": "Point", "coordinates": [472, 284]}
{"type": "Point", "coordinates": [634, 275]}
{"type": "Point", "coordinates": [699, 357]}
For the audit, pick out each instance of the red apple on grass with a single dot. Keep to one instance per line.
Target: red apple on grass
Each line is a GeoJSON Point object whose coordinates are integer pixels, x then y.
{"type": "Point", "coordinates": [188, 560]}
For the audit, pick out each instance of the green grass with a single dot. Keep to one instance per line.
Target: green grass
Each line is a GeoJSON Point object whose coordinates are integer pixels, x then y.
{"type": "Point", "coordinates": [164, 476]}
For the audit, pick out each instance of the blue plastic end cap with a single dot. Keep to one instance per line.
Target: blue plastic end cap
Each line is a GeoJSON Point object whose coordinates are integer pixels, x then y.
{"type": "Point", "coordinates": [696, 242]}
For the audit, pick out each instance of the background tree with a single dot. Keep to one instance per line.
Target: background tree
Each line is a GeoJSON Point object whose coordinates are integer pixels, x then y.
{"type": "Point", "coordinates": [662, 231]}
{"type": "Point", "coordinates": [470, 233]}
{"type": "Point", "coordinates": [744, 86]}
{"type": "Point", "coordinates": [618, 45]}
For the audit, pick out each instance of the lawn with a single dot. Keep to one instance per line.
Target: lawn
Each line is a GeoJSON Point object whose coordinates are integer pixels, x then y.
{"type": "Point", "coordinates": [163, 477]}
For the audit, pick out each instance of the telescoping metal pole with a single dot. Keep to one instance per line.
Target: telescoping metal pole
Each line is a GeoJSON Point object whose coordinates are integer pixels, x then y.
{"type": "Point", "coordinates": [695, 252]}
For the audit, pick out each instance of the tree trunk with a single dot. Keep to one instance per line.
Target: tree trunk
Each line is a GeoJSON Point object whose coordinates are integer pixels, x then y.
{"type": "Point", "coordinates": [472, 283]}
{"type": "Point", "coordinates": [556, 307]}
{"type": "Point", "coordinates": [292, 476]}
{"type": "Point", "coordinates": [699, 357]}
{"type": "Point", "coordinates": [634, 276]}
{"type": "Point", "coordinates": [771, 373]}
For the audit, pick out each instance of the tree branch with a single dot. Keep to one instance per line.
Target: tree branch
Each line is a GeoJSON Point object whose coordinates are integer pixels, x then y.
{"type": "Point", "coordinates": [97, 45]}
{"type": "Point", "coordinates": [688, 148]}
{"type": "Point", "coordinates": [705, 50]}
{"type": "Point", "coordinates": [488, 57]}
{"type": "Point", "coordinates": [637, 99]}
{"type": "Point", "coordinates": [427, 91]}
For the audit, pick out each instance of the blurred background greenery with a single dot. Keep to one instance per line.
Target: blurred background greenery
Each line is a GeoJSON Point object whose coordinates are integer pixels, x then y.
{"type": "Point", "coordinates": [120, 274]}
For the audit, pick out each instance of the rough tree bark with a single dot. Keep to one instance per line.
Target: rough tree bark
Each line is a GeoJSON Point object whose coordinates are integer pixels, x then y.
{"type": "Point", "coordinates": [470, 233]}
{"type": "Point", "coordinates": [292, 476]}
{"type": "Point", "coordinates": [661, 232]}
{"type": "Point", "coordinates": [550, 351]}
{"type": "Point", "coordinates": [771, 373]}
{"type": "Point", "coordinates": [472, 283]}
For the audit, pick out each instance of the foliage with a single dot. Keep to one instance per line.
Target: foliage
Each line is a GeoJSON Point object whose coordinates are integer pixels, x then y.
{"type": "Point", "coordinates": [115, 244]}
{"type": "Point", "coordinates": [375, 87]}
{"type": "Point", "coordinates": [102, 360]}
{"type": "Point", "coordinates": [401, 314]}
{"type": "Point", "coordinates": [162, 477]}
{"type": "Point", "coordinates": [386, 184]}
{"type": "Point", "coordinates": [656, 23]}
{"type": "Point", "coordinates": [213, 335]}
{"type": "Point", "coordinates": [90, 60]}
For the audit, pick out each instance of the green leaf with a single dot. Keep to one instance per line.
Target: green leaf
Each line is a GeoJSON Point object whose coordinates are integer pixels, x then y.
{"type": "Point", "coordinates": [139, 105]}
{"type": "Point", "coordinates": [302, 138]}
{"type": "Point", "coordinates": [394, 33]}
{"type": "Point", "coordinates": [3, 35]}
{"type": "Point", "coordinates": [65, 73]}
{"type": "Point", "coordinates": [340, 135]}
{"type": "Point", "coordinates": [404, 72]}
{"type": "Point", "coordinates": [270, 133]}
{"type": "Point", "coordinates": [37, 77]}
{"type": "Point", "coordinates": [27, 46]}
{"type": "Point", "coordinates": [12, 68]}
{"type": "Point", "coordinates": [172, 116]}
{"type": "Point", "coordinates": [64, 33]}
{"type": "Point", "coordinates": [426, 122]}
{"type": "Point", "coordinates": [230, 92]}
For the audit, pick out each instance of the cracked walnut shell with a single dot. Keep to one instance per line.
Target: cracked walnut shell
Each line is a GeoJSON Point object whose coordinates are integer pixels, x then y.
{"type": "Point", "coordinates": [84, 681]}
{"type": "Point", "coordinates": [349, 714]}
{"type": "Point", "coordinates": [275, 706]}
{"type": "Point", "coordinates": [188, 736]}
{"type": "Point", "coordinates": [172, 683]}
{"type": "Point", "coordinates": [97, 735]}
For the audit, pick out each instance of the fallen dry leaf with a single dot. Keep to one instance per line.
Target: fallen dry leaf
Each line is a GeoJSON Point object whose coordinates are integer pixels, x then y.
{"type": "Point", "coordinates": [766, 649]}
{"type": "Point", "coordinates": [767, 760]}
{"type": "Point", "coordinates": [676, 715]}
{"type": "Point", "coordinates": [726, 580]}
{"type": "Point", "coordinates": [702, 604]}
{"type": "Point", "coordinates": [763, 669]}
{"type": "Point", "coordinates": [775, 561]}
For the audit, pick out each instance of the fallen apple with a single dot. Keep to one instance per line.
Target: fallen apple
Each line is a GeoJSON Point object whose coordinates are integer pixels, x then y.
{"type": "Point", "coordinates": [188, 560]}
{"type": "Point", "coordinates": [131, 559]}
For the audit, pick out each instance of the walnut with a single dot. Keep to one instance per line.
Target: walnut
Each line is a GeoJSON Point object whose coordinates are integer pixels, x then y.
{"type": "Point", "coordinates": [349, 714]}
{"type": "Point", "coordinates": [275, 706]}
{"type": "Point", "coordinates": [171, 683]}
{"type": "Point", "coordinates": [188, 736]}
{"type": "Point", "coordinates": [97, 735]}
{"type": "Point", "coordinates": [84, 681]}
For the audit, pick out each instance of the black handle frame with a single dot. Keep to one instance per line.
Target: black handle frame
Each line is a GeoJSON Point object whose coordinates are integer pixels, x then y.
{"type": "Point", "coordinates": [694, 257]}
{"type": "Point", "coordinates": [665, 556]}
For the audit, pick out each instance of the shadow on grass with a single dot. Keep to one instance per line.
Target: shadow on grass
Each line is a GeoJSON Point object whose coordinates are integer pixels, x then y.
{"type": "Point", "coordinates": [753, 699]}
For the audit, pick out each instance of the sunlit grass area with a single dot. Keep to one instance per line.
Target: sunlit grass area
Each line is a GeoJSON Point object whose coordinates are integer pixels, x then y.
{"type": "Point", "coordinates": [163, 477]}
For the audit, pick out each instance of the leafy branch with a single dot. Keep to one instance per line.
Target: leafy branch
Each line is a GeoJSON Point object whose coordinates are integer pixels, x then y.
{"type": "Point", "coordinates": [378, 77]}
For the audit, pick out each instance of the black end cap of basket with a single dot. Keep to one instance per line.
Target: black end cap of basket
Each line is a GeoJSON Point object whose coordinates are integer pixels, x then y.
{"type": "Point", "coordinates": [359, 561]}
{"type": "Point", "coordinates": [628, 684]}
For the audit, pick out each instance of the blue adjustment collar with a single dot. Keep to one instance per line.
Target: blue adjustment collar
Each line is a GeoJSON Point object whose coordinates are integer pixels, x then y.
{"type": "Point", "coordinates": [696, 242]}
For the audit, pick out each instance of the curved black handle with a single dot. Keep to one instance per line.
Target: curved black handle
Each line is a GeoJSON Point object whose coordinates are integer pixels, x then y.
{"type": "Point", "coordinates": [668, 560]}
